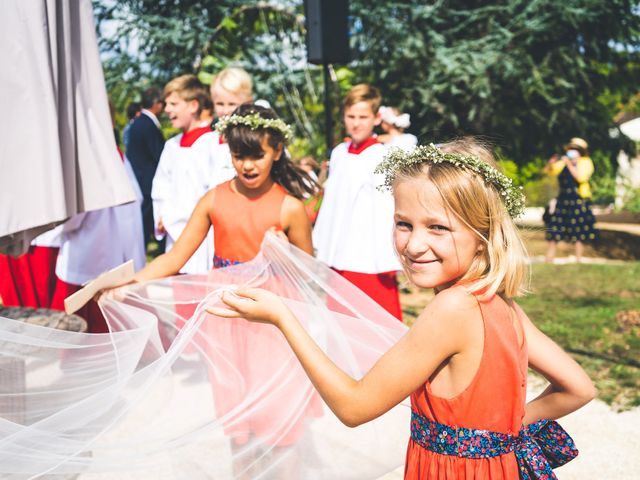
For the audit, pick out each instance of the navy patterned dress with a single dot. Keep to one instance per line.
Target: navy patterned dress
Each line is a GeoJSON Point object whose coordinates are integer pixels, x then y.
{"type": "Point", "coordinates": [572, 220]}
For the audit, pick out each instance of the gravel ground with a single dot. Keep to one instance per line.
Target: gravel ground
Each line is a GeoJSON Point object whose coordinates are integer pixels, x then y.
{"type": "Point", "coordinates": [608, 441]}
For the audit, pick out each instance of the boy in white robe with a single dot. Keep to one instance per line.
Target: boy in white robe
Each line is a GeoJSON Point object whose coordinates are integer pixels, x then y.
{"type": "Point", "coordinates": [354, 230]}
{"type": "Point", "coordinates": [191, 163]}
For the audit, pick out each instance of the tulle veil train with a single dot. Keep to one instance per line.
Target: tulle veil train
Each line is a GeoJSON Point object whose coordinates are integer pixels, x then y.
{"type": "Point", "coordinates": [174, 392]}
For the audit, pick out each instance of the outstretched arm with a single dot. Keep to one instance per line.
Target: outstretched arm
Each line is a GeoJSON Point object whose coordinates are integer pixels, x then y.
{"type": "Point", "coordinates": [555, 165]}
{"type": "Point", "coordinates": [188, 242]}
{"type": "Point", "coordinates": [393, 378]}
{"type": "Point", "coordinates": [160, 190]}
{"type": "Point", "coordinates": [570, 388]}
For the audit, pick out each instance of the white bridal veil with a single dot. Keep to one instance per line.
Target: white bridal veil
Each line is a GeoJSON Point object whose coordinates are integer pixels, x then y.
{"type": "Point", "coordinates": [173, 392]}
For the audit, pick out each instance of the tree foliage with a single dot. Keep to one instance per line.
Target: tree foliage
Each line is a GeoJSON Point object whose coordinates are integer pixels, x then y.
{"type": "Point", "coordinates": [157, 40]}
{"type": "Point", "coordinates": [527, 74]}
{"type": "Point", "coordinates": [149, 42]}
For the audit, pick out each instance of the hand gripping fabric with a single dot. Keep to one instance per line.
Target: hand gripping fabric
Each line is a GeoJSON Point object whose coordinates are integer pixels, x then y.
{"type": "Point", "coordinates": [173, 392]}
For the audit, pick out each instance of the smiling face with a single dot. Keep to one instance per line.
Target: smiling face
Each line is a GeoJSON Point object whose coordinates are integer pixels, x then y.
{"type": "Point", "coordinates": [359, 121]}
{"type": "Point", "coordinates": [225, 102]}
{"type": "Point", "coordinates": [436, 248]}
{"type": "Point", "coordinates": [254, 173]}
{"type": "Point", "coordinates": [182, 114]}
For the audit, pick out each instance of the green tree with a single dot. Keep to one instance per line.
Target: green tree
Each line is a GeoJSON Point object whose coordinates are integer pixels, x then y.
{"type": "Point", "coordinates": [157, 40]}
{"type": "Point", "coordinates": [152, 41]}
{"type": "Point", "coordinates": [527, 74]}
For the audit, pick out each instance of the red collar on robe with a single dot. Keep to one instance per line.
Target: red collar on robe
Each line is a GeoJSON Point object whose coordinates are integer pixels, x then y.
{"type": "Point", "coordinates": [221, 140]}
{"type": "Point", "coordinates": [363, 146]}
{"type": "Point", "coordinates": [190, 137]}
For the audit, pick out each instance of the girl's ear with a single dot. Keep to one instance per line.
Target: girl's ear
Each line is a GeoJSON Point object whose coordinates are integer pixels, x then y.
{"type": "Point", "coordinates": [378, 120]}
{"type": "Point", "coordinates": [194, 105]}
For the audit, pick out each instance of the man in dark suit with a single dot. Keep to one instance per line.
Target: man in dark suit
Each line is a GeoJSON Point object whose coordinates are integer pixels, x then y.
{"type": "Point", "coordinates": [145, 146]}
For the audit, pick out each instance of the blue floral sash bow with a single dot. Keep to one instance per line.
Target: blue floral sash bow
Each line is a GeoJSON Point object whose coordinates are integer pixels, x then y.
{"type": "Point", "coordinates": [219, 262]}
{"type": "Point", "coordinates": [539, 447]}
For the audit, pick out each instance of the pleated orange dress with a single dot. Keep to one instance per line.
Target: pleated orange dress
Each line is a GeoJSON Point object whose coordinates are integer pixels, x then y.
{"type": "Point", "coordinates": [254, 398]}
{"type": "Point", "coordinates": [494, 401]}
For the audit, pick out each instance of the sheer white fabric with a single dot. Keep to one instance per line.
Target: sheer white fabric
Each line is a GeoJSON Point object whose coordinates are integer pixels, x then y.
{"type": "Point", "coordinates": [173, 392]}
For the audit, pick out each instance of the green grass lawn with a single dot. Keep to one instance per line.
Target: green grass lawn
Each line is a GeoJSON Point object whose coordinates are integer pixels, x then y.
{"type": "Point", "coordinates": [593, 311]}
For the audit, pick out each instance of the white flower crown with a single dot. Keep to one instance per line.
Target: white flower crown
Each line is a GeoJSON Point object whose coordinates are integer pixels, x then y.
{"type": "Point", "coordinates": [398, 160]}
{"type": "Point", "coordinates": [254, 121]}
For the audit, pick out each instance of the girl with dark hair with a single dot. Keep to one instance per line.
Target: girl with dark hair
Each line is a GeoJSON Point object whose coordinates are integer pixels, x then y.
{"type": "Point", "coordinates": [265, 195]}
{"type": "Point", "coordinates": [245, 140]}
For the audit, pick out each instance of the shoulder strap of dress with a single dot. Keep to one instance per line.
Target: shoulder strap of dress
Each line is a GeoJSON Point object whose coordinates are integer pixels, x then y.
{"type": "Point", "coordinates": [223, 193]}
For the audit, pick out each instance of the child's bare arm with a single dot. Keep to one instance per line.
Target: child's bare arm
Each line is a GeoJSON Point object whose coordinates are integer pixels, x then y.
{"type": "Point", "coordinates": [570, 388]}
{"type": "Point", "coordinates": [192, 236]}
{"type": "Point", "coordinates": [439, 333]}
{"type": "Point", "coordinates": [296, 224]}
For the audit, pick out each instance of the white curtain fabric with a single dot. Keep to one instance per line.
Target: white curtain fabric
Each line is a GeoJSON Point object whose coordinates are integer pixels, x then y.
{"type": "Point", "coordinates": [97, 241]}
{"type": "Point", "coordinates": [173, 392]}
{"type": "Point", "coordinates": [58, 155]}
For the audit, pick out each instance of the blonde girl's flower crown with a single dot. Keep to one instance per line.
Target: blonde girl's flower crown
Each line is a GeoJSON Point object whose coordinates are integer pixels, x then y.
{"type": "Point", "coordinates": [398, 160]}
{"type": "Point", "coordinates": [254, 121]}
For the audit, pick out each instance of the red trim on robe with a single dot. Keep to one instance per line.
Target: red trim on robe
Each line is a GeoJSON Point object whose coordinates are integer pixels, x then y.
{"type": "Point", "coordinates": [221, 140]}
{"type": "Point", "coordinates": [381, 287]}
{"type": "Point", "coordinates": [358, 149]}
{"type": "Point", "coordinates": [190, 137]}
{"type": "Point", "coordinates": [30, 279]}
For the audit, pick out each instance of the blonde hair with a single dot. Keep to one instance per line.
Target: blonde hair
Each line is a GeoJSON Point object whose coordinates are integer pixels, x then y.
{"type": "Point", "coordinates": [500, 267]}
{"type": "Point", "coordinates": [363, 93]}
{"type": "Point", "coordinates": [235, 80]}
{"type": "Point", "coordinates": [189, 88]}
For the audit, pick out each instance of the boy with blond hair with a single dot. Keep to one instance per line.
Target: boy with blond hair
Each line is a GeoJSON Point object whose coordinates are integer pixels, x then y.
{"type": "Point", "coordinates": [230, 88]}
{"type": "Point", "coordinates": [353, 232]}
{"type": "Point", "coordinates": [189, 166]}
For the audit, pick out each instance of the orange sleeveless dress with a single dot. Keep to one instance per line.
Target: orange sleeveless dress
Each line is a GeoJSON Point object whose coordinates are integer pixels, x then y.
{"type": "Point", "coordinates": [494, 400]}
{"type": "Point", "coordinates": [239, 223]}
{"type": "Point", "coordinates": [246, 401]}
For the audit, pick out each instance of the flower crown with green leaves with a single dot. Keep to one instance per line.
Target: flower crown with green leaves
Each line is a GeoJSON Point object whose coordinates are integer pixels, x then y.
{"type": "Point", "coordinates": [254, 121]}
{"type": "Point", "coordinates": [397, 160]}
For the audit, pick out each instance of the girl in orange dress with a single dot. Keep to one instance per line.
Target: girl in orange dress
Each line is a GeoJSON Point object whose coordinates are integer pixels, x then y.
{"type": "Point", "coordinates": [464, 361]}
{"type": "Point", "coordinates": [264, 196]}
